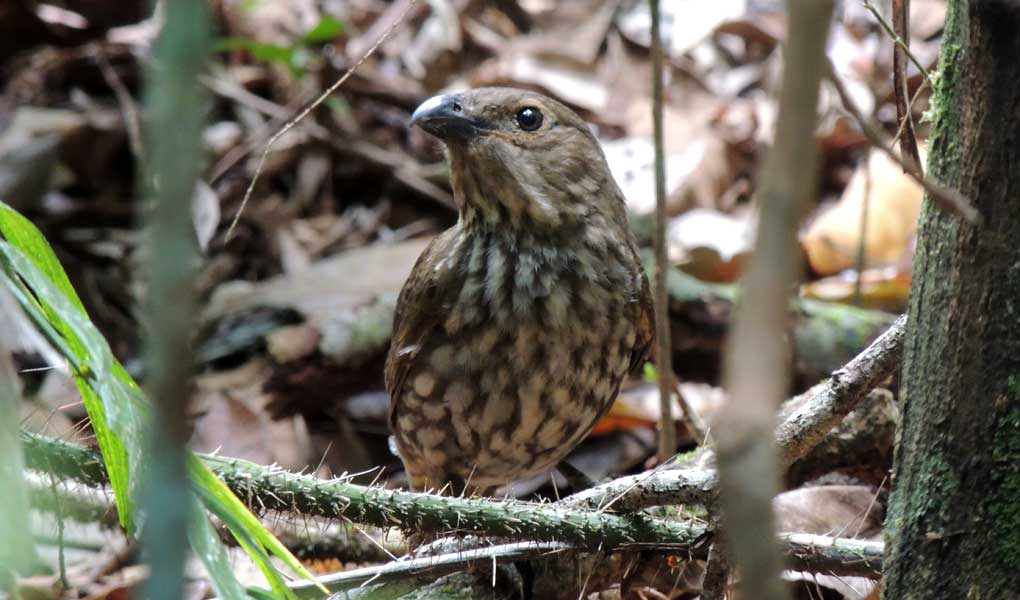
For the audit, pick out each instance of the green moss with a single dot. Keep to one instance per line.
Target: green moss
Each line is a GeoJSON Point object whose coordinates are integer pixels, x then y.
{"type": "Point", "coordinates": [1004, 500]}
{"type": "Point", "coordinates": [945, 103]}
{"type": "Point", "coordinates": [1013, 387]}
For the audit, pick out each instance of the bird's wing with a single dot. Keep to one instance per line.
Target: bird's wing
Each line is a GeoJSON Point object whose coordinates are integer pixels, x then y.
{"type": "Point", "coordinates": [645, 325]}
{"type": "Point", "coordinates": [418, 312]}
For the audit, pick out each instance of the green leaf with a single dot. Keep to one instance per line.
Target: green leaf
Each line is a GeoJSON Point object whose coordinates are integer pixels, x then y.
{"type": "Point", "coordinates": [650, 373]}
{"type": "Point", "coordinates": [30, 264]}
{"type": "Point", "coordinates": [118, 409]}
{"type": "Point", "coordinates": [339, 105]}
{"type": "Point", "coordinates": [209, 549]}
{"type": "Point", "coordinates": [20, 232]}
{"type": "Point", "coordinates": [261, 51]}
{"type": "Point", "coordinates": [327, 29]}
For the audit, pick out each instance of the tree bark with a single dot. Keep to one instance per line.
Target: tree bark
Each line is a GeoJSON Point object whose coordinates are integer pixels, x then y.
{"type": "Point", "coordinates": [953, 527]}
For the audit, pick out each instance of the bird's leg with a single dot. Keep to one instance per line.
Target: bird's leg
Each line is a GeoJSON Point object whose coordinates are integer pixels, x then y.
{"type": "Point", "coordinates": [575, 477]}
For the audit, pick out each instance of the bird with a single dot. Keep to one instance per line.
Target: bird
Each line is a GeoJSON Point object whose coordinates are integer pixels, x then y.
{"type": "Point", "coordinates": [517, 325]}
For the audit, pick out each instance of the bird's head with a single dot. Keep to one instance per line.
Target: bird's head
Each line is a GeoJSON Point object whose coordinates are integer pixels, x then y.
{"type": "Point", "coordinates": [518, 158]}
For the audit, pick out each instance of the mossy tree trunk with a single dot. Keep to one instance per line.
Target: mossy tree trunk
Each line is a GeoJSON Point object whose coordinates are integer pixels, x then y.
{"type": "Point", "coordinates": [953, 526]}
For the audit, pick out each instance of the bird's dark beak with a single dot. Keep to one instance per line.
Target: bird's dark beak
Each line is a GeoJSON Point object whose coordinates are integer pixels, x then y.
{"type": "Point", "coordinates": [446, 118]}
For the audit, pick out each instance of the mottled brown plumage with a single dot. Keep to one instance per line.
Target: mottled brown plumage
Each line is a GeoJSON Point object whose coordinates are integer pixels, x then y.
{"type": "Point", "coordinates": [518, 324]}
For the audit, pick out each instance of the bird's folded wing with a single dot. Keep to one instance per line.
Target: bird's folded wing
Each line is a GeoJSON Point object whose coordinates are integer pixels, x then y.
{"type": "Point", "coordinates": [419, 311]}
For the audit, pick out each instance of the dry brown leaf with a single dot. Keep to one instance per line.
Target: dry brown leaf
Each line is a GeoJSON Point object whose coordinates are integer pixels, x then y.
{"type": "Point", "coordinates": [696, 177]}
{"type": "Point", "coordinates": [851, 511]}
{"type": "Point", "coordinates": [836, 510]}
{"type": "Point", "coordinates": [292, 342]}
{"type": "Point", "coordinates": [346, 281]}
{"type": "Point", "coordinates": [205, 213]}
{"type": "Point", "coordinates": [638, 406]}
{"type": "Point", "coordinates": [711, 245]}
{"type": "Point", "coordinates": [692, 21]}
{"type": "Point", "coordinates": [585, 24]}
{"type": "Point", "coordinates": [234, 422]}
{"type": "Point", "coordinates": [894, 201]}
{"type": "Point", "coordinates": [883, 289]}
{"type": "Point", "coordinates": [927, 18]}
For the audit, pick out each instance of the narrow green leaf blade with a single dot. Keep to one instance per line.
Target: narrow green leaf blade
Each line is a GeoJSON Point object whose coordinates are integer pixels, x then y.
{"type": "Point", "coordinates": [115, 455]}
{"type": "Point", "coordinates": [209, 549]}
{"type": "Point", "coordinates": [62, 311]}
{"type": "Point", "coordinates": [80, 342]}
{"type": "Point", "coordinates": [118, 409]}
{"type": "Point", "coordinates": [228, 507]}
{"type": "Point", "coordinates": [20, 232]}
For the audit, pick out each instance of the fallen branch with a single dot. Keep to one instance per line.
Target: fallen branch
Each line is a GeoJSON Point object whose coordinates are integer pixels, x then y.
{"type": "Point", "coordinates": [862, 444]}
{"type": "Point", "coordinates": [797, 434]}
{"type": "Point", "coordinates": [434, 566]}
{"type": "Point", "coordinates": [805, 427]}
{"type": "Point", "coordinates": [838, 556]}
{"type": "Point", "coordinates": [814, 553]}
{"type": "Point", "coordinates": [661, 487]}
{"type": "Point", "coordinates": [269, 488]}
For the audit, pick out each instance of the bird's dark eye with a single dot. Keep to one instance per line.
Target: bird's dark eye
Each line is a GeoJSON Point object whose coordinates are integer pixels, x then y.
{"type": "Point", "coordinates": [529, 118]}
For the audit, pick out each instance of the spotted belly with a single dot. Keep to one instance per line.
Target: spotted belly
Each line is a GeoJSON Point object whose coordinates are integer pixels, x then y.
{"type": "Point", "coordinates": [505, 403]}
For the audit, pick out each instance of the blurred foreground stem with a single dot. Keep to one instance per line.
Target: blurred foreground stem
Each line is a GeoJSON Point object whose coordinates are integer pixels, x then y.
{"type": "Point", "coordinates": [757, 364]}
{"type": "Point", "coordinates": [172, 136]}
{"type": "Point", "coordinates": [17, 550]}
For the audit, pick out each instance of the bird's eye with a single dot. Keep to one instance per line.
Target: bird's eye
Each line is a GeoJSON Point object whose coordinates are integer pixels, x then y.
{"type": "Point", "coordinates": [529, 118]}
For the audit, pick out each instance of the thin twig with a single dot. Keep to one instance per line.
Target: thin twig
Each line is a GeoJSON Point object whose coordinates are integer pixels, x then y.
{"type": "Point", "coordinates": [757, 364]}
{"type": "Point", "coordinates": [908, 144]}
{"type": "Point", "coordinates": [127, 105]}
{"type": "Point", "coordinates": [663, 349]}
{"type": "Point", "coordinates": [434, 566]}
{"type": "Point", "coordinates": [896, 39]}
{"type": "Point", "coordinates": [913, 101]}
{"type": "Point", "coordinates": [404, 169]}
{"type": "Point", "coordinates": [255, 139]}
{"type": "Point", "coordinates": [308, 109]}
{"type": "Point", "coordinates": [947, 199]}
{"type": "Point", "coordinates": [862, 233]}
